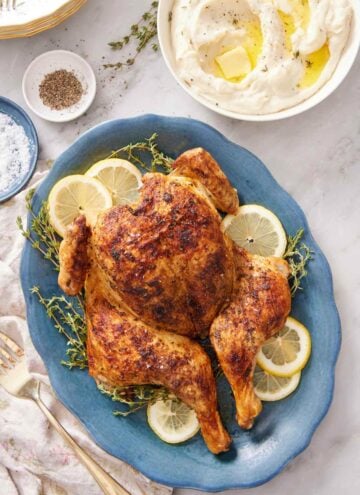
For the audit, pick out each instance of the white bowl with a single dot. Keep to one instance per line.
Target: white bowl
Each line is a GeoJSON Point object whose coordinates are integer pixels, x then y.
{"type": "Point", "coordinates": [49, 62]}
{"type": "Point", "coordinates": [341, 71]}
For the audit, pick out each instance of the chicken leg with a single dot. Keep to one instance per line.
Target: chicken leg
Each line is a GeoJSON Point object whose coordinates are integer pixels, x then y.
{"type": "Point", "coordinates": [124, 351]}
{"type": "Point", "coordinates": [259, 308]}
{"type": "Point", "coordinates": [198, 164]}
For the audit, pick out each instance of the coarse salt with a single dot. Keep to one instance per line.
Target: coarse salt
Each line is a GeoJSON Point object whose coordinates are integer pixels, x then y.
{"type": "Point", "coordinates": [14, 152]}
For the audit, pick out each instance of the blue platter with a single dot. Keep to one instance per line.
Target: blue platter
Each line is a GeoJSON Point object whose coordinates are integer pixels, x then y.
{"type": "Point", "coordinates": [21, 118]}
{"type": "Point", "coordinates": [284, 429]}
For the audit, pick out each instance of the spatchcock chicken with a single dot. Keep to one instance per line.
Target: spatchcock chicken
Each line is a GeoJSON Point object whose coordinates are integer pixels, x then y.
{"type": "Point", "coordinates": [160, 274]}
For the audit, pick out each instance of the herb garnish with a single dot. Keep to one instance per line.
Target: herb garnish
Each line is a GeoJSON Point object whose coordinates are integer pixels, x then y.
{"type": "Point", "coordinates": [297, 255]}
{"type": "Point", "coordinates": [135, 397]}
{"type": "Point", "coordinates": [159, 161]}
{"type": "Point", "coordinates": [142, 33]}
{"type": "Point", "coordinates": [40, 233]}
{"type": "Point", "coordinates": [68, 317]}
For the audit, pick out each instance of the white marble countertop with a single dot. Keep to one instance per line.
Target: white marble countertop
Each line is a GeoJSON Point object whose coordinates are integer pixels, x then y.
{"type": "Point", "coordinates": [314, 156]}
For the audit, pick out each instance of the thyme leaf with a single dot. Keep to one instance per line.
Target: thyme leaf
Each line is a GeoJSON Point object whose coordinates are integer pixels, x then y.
{"type": "Point", "coordinates": [142, 33]}
{"type": "Point", "coordinates": [134, 397]}
{"type": "Point", "coordinates": [67, 315]}
{"type": "Point", "coordinates": [298, 255]}
{"type": "Point", "coordinates": [41, 233]}
{"type": "Point", "coordinates": [135, 153]}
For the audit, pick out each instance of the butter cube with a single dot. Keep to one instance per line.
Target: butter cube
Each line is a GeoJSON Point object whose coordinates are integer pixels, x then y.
{"type": "Point", "coordinates": [234, 63]}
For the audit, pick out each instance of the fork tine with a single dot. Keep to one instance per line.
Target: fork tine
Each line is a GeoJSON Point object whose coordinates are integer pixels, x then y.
{"type": "Point", "coordinates": [4, 366]}
{"type": "Point", "coordinates": [4, 354]}
{"type": "Point", "coordinates": [11, 344]}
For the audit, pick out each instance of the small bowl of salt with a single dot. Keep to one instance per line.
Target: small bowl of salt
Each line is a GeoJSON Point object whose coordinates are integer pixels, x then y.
{"type": "Point", "coordinates": [19, 149]}
{"type": "Point", "coordinates": [59, 86]}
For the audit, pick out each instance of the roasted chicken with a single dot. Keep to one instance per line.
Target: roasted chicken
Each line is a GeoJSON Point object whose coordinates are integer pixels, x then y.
{"type": "Point", "coordinates": [159, 274]}
{"type": "Point", "coordinates": [166, 258]}
{"type": "Point", "coordinates": [259, 307]}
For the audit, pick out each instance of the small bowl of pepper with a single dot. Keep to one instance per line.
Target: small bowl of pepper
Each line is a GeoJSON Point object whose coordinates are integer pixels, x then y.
{"type": "Point", "coordinates": [59, 86]}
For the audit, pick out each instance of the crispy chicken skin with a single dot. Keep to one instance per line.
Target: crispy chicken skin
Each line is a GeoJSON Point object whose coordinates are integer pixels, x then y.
{"type": "Point", "coordinates": [74, 262]}
{"type": "Point", "coordinates": [260, 305]}
{"type": "Point", "coordinates": [160, 272]}
{"type": "Point", "coordinates": [122, 350]}
{"type": "Point", "coordinates": [166, 256]}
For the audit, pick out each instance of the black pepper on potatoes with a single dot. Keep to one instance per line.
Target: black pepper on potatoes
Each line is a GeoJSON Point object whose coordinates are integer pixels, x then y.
{"type": "Point", "coordinates": [60, 89]}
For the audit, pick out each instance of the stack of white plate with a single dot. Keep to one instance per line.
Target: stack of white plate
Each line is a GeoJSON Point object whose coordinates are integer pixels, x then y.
{"type": "Point", "coordinates": [30, 17]}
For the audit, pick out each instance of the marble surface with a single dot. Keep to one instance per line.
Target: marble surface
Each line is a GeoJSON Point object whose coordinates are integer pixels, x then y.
{"type": "Point", "coordinates": [314, 156]}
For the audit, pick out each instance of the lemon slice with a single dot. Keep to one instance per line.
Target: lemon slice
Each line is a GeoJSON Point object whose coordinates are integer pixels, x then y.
{"type": "Point", "coordinates": [257, 230]}
{"type": "Point", "coordinates": [172, 420]}
{"type": "Point", "coordinates": [120, 177]}
{"type": "Point", "coordinates": [74, 195]}
{"type": "Point", "coordinates": [287, 352]}
{"type": "Point", "coordinates": [270, 388]}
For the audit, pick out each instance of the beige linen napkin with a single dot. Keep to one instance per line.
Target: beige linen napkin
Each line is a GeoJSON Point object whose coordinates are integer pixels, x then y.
{"type": "Point", "coordinates": [34, 459]}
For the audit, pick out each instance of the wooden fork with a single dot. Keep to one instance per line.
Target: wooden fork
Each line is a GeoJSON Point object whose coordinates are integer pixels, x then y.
{"type": "Point", "coordinates": [15, 378]}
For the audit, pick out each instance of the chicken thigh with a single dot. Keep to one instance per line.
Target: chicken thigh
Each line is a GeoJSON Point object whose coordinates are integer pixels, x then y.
{"type": "Point", "coordinates": [124, 351]}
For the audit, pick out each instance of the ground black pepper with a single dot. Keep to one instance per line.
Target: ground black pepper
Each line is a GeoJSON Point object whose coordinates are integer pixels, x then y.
{"type": "Point", "coordinates": [60, 89]}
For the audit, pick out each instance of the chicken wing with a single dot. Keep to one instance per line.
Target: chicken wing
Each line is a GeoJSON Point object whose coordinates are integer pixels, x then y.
{"type": "Point", "coordinates": [198, 164]}
{"type": "Point", "coordinates": [74, 259]}
{"type": "Point", "coordinates": [260, 305]}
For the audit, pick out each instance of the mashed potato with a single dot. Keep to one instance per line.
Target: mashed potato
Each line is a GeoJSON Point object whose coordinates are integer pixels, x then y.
{"type": "Point", "coordinates": [258, 56]}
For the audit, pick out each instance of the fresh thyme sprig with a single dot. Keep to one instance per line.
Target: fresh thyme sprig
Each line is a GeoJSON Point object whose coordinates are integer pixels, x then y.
{"type": "Point", "coordinates": [41, 234]}
{"type": "Point", "coordinates": [297, 254]}
{"type": "Point", "coordinates": [143, 32]}
{"type": "Point", "coordinates": [134, 397]}
{"type": "Point", "coordinates": [67, 315]}
{"type": "Point", "coordinates": [134, 152]}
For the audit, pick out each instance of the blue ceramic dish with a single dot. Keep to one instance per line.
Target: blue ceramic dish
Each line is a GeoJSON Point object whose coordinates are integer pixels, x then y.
{"type": "Point", "coordinates": [21, 118]}
{"type": "Point", "coordinates": [284, 429]}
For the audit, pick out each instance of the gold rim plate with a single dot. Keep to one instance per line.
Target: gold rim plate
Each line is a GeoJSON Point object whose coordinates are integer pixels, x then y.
{"type": "Point", "coordinates": [42, 23]}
